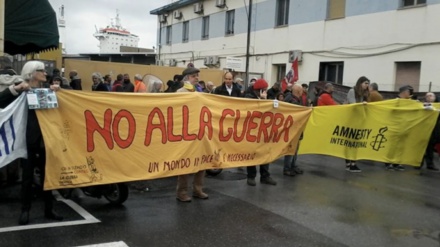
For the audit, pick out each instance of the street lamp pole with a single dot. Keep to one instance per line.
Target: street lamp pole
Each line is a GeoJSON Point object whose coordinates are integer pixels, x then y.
{"type": "Point", "coordinates": [248, 45]}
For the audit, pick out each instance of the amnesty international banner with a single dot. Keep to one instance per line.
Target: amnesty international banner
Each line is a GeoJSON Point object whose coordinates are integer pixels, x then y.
{"type": "Point", "coordinates": [99, 138]}
{"type": "Point", "coordinates": [394, 131]}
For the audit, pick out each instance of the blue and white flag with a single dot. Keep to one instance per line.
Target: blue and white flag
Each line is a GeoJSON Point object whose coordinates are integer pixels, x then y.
{"type": "Point", "coordinates": [13, 121]}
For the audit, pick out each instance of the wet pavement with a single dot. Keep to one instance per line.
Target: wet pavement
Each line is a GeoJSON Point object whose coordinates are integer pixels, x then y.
{"type": "Point", "coordinates": [326, 206]}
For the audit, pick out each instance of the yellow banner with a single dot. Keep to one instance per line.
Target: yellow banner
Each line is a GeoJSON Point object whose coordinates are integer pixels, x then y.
{"type": "Point", "coordinates": [393, 131]}
{"type": "Point", "coordinates": [100, 138]}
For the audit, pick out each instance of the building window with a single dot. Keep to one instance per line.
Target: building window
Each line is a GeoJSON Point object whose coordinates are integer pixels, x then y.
{"type": "Point", "coordinates": [205, 27]}
{"type": "Point", "coordinates": [407, 73]}
{"type": "Point", "coordinates": [185, 31]}
{"type": "Point", "coordinates": [230, 19]}
{"type": "Point", "coordinates": [336, 9]}
{"type": "Point", "coordinates": [168, 37]}
{"type": "Point", "coordinates": [331, 71]}
{"type": "Point", "coordinates": [281, 71]}
{"type": "Point", "coordinates": [282, 12]}
{"type": "Point", "coordinates": [409, 3]}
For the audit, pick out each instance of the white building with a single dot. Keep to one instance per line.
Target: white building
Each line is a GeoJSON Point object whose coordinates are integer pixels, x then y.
{"type": "Point", "coordinates": [392, 42]}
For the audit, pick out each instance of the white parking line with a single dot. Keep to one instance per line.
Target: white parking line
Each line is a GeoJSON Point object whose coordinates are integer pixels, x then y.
{"type": "Point", "coordinates": [112, 244]}
{"type": "Point", "coordinates": [88, 218]}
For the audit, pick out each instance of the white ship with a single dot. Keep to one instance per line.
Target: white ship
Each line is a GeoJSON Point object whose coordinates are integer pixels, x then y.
{"type": "Point", "coordinates": [114, 36]}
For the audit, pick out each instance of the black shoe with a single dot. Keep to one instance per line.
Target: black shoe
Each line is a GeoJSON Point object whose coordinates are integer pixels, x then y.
{"type": "Point", "coordinates": [251, 182]}
{"type": "Point", "coordinates": [53, 216]}
{"type": "Point", "coordinates": [389, 167]}
{"type": "Point", "coordinates": [24, 218]}
{"type": "Point", "coordinates": [268, 180]}
{"type": "Point", "coordinates": [432, 168]}
{"type": "Point", "coordinates": [289, 173]}
{"type": "Point", "coordinates": [354, 168]}
{"type": "Point", "coordinates": [297, 170]}
{"type": "Point", "coordinates": [398, 167]}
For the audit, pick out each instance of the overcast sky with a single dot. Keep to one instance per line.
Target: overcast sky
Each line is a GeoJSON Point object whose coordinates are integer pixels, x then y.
{"type": "Point", "coordinates": [81, 16]}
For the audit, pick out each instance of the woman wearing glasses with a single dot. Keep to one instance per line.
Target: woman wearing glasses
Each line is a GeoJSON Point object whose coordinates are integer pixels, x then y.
{"type": "Point", "coordinates": [34, 75]}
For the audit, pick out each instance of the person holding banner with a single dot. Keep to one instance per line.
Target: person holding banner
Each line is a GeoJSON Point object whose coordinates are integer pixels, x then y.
{"type": "Point", "coordinates": [258, 91]}
{"type": "Point", "coordinates": [33, 74]}
{"type": "Point", "coordinates": [429, 153]}
{"type": "Point", "coordinates": [359, 93]}
{"type": "Point", "coordinates": [405, 92]}
{"type": "Point", "coordinates": [190, 79]}
{"type": "Point", "coordinates": [274, 90]}
{"type": "Point", "coordinates": [290, 166]}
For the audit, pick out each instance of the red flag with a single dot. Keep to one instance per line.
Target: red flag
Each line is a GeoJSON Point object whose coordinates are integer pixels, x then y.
{"type": "Point", "coordinates": [295, 69]}
{"type": "Point", "coordinates": [283, 84]}
{"type": "Point", "coordinates": [291, 76]}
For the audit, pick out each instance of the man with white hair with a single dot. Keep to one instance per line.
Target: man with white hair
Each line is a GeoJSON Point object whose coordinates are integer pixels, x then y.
{"type": "Point", "coordinates": [210, 87]}
{"type": "Point", "coordinates": [139, 86]}
{"type": "Point", "coordinates": [239, 83]}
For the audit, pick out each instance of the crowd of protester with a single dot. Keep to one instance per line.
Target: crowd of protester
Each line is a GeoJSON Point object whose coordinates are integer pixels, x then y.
{"type": "Point", "coordinates": [34, 75]}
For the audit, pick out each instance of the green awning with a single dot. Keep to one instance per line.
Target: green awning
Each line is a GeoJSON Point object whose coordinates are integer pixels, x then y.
{"type": "Point", "coordinates": [30, 26]}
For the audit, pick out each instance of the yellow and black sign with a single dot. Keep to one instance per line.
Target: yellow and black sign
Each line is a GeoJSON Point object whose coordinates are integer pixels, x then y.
{"type": "Point", "coordinates": [393, 131]}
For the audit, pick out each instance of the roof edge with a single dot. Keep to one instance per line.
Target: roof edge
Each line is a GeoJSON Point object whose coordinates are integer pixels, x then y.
{"type": "Point", "coordinates": [172, 6]}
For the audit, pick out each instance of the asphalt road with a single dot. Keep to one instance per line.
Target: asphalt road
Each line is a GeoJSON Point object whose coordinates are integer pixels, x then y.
{"type": "Point", "coordinates": [326, 206]}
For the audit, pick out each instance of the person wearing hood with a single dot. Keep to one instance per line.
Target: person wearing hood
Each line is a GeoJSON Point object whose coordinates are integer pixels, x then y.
{"type": "Point", "coordinates": [127, 86]}
{"type": "Point", "coordinates": [274, 90]}
{"type": "Point", "coordinates": [117, 84]}
{"type": "Point", "coordinates": [75, 81]}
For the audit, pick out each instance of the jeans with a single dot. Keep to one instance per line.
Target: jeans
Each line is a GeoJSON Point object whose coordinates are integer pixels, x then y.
{"type": "Point", "coordinates": [264, 171]}
{"type": "Point", "coordinates": [290, 162]}
{"type": "Point", "coordinates": [429, 154]}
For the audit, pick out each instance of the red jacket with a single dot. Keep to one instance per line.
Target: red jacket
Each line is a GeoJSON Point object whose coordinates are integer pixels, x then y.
{"type": "Point", "coordinates": [304, 99]}
{"type": "Point", "coordinates": [326, 99]}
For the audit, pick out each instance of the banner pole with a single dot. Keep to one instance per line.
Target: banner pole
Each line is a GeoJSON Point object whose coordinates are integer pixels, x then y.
{"type": "Point", "coordinates": [246, 84]}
